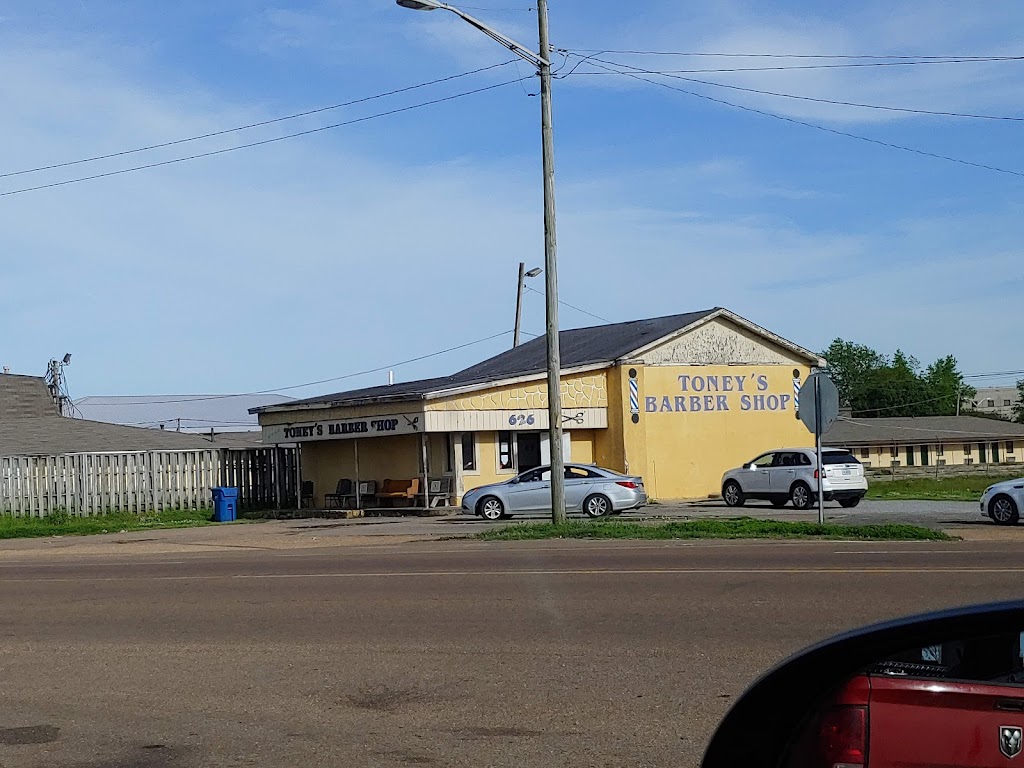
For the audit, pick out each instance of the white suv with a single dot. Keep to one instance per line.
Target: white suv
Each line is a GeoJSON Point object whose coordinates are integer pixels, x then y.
{"type": "Point", "coordinates": [789, 474]}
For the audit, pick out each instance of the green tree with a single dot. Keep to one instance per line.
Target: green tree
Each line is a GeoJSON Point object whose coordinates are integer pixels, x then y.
{"type": "Point", "coordinates": [1018, 407]}
{"type": "Point", "coordinates": [872, 384]}
{"type": "Point", "coordinates": [945, 387]}
{"type": "Point", "coordinates": [849, 364]}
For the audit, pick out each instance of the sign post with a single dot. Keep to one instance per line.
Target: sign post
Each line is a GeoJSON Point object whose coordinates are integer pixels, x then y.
{"type": "Point", "coordinates": [818, 413]}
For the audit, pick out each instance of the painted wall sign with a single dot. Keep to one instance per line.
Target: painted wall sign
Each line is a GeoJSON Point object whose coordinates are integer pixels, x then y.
{"type": "Point", "coordinates": [374, 426]}
{"type": "Point", "coordinates": [730, 392]}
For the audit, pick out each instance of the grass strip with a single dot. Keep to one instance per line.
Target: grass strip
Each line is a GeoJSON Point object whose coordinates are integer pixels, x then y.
{"type": "Point", "coordinates": [64, 524]}
{"type": "Point", "coordinates": [959, 488]}
{"type": "Point", "coordinates": [732, 528]}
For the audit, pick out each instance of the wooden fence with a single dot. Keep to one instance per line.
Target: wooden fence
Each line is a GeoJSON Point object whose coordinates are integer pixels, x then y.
{"type": "Point", "coordinates": [97, 483]}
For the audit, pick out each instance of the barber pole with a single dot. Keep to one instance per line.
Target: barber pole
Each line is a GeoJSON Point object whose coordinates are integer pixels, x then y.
{"type": "Point", "coordinates": [796, 393]}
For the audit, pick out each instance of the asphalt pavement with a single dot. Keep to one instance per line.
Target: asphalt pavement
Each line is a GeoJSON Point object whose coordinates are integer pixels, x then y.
{"type": "Point", "coordinates": [461, 653]}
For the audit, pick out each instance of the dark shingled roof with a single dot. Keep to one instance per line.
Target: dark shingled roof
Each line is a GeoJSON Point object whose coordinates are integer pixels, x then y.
{"type": "Point", "coordinates": [31, 426]}
{"type": "Point", "coordinates": [22, 396]}
{"type": "Point", "coordinates": [578, 347]}
{"type": "Point", "coordinates": [921, 429]}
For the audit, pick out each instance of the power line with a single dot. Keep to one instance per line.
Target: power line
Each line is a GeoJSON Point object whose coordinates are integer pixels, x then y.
{"type": "Point", "coordinates": [908, 405]}
{"type": "Point", "coordinates": [925, 429]}
{"type": "Point", "coordinates": [805, 98]}
{"type": "Point", "coordinates": [837, 132]}
{"type": "Point", "coordinates": [263, 142]}
{"type": "Point", "coordinates": [811, 66]}
{"type": "Point", "coordinates": [966, 57]}
{"type": "Point", "coordinates": [327, 381]}
{"type": "Point", "coordinates": [571, 306]}
{"type": "Point", "coordinates": [253, 125]}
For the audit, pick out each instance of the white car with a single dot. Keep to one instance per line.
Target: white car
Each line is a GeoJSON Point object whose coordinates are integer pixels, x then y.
{"type": "Point", "coordinates": [1003, 501]}
{"type": "Point", "coordinates": [789, 474]}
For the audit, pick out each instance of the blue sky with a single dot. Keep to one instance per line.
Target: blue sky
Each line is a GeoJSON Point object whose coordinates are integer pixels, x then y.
{"type": "Point", "coordinates": [362, 246]}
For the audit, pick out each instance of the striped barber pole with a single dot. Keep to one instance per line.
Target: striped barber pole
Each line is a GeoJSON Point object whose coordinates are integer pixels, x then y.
{"type": "Point", "coordinates": [634, 396]}
{"type": "Point", "coordinates": [796, 395]}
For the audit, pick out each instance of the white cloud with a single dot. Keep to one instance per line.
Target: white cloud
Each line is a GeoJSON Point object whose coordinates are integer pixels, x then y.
{"type": "Point", "coordinates": [309, 258]}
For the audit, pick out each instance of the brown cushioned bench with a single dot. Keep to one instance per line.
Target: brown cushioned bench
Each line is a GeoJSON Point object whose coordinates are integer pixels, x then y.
{"type": "Point", "coordinates": [393, 490]}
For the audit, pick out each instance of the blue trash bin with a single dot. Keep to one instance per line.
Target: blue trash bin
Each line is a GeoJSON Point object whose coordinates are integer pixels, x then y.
{"type": "Point", "coordinates": [225, 503]}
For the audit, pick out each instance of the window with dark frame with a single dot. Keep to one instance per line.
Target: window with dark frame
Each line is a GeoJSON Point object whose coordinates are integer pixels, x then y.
{"type": "Point", "coordinates": [449, 453]}
{"type": "Point", "coordinates": [468, 452]}
{"type": "Point", "coordinates": [865, 453]}
{"type": "Point", "coordinates": [506, 456]}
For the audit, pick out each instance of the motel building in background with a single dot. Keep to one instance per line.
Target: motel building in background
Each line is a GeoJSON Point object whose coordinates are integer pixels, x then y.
{"type": "Point", "coordinates": [677, 400]}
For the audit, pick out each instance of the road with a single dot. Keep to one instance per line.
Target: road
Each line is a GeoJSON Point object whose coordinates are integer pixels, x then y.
{"type": "Point", "coordinates": [432, 653]}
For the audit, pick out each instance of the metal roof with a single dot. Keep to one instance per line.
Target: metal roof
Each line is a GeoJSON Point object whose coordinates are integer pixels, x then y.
{"type": "Point", "coordinates": [922, 429]}
{"type": "Point", "coordinates": [194, 413]}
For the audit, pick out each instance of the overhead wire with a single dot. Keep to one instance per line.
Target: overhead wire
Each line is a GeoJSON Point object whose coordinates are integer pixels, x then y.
{"type": "Point", "coordinates": [796, 67]}
{"type": "Point", "coordinates": [263, 142]}
{"type": "Point", "coordinates": [849, 420]}
{"type": "Point", "coordinates": [571, 306]}
{"type": "Point", "coordinates": [734, 54]}
{"type": "Point", "coordinates": [322, 381]}
{"type": "Point", "coordinates": [807, 124]}
{"type": "Point", "coordinates": [818, 100]}
{"type": "Point", "coordinates": [257, 124]}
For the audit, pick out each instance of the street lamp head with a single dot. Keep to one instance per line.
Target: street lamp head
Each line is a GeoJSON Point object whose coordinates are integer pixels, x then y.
{"type": "Point", "coordinates": [534, 272]}
{"type": "Point", "coordinates": [419, 5]}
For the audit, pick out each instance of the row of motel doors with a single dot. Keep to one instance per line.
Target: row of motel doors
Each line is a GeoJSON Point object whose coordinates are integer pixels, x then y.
{"type": "Point", "coordinates": [925, 458]}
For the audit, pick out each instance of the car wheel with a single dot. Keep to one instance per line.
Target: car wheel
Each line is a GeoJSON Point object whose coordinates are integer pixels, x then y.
{"type": "Point", "coordinates": [733, 494]}
{"type": "Point", "coordinates": [597, 505]}
{"type": "Point", "coordinates": [849, 503]}
{"type": "Point", "coordinates": [779, 503]}
{"type": "Point", "coordinates": [491, 508]}
{"type": "Point", "coordinates": [800, 495]}
{"type": "Point", "coordinates": [1003, 511]}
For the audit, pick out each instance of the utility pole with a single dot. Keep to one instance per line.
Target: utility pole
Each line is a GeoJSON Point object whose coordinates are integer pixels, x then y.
{"type": "Point", "coordinates": [551, 275]}
{"type": "Point", "coordinates": [519, 303]}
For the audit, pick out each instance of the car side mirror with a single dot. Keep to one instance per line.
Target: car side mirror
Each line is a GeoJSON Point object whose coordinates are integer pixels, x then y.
{"type": "Point", "coordinates": [514, 481]}
{"type": "Point", "coordinates": [859, 698]}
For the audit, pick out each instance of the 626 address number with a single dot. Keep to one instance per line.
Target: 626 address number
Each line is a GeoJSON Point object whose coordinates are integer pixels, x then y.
{"type": "Point", "coordinates": [519, 420]}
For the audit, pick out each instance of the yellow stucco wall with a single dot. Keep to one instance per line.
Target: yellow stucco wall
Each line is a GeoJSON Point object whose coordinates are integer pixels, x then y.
{"type": "Point", "coordinates": [583, 445]}
{"type": "Point", "coordinates": [684, 441]}
{"type": "Point", "coordinates": [581, 390]}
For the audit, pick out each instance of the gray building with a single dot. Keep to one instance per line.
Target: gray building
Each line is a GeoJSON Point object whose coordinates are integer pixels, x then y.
{"type": "Point", "coordinates": [997, 400]}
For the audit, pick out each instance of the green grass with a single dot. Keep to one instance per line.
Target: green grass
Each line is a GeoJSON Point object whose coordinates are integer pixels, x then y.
{"type": "Point", "coordinates": [63, 524]}
{"type": "Point", "coordinates": [735, 528]}
{"type": "Point", "coordinates": [959, 488]}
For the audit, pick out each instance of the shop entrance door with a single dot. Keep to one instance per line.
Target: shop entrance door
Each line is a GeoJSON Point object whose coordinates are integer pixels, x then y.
{"type": "Point", "coordinates": [528, 446]}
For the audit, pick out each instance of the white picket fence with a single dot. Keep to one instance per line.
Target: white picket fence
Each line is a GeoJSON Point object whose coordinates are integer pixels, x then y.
{"type": "Point", "coordinates": [97, 483]}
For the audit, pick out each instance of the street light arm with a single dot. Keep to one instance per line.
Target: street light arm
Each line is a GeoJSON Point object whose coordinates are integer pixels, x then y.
{"type": "Point", "coordinates": [520, 50]}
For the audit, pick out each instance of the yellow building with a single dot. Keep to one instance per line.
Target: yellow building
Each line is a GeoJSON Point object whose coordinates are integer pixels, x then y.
{"type": "Point", "coordinates": [901, 443]}
{"type": "Point", "coordinates": [677, 400]}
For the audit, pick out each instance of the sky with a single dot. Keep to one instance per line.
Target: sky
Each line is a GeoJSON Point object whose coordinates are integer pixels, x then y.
{"type": "Point", "coordinates": [363, 246]}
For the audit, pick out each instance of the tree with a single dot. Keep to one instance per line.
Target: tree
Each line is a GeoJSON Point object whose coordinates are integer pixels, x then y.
{"type": "Point", "coordinates": [872, 384]}
{"type": "Point", "coordinates": [945, 386]}
{"type": "Point", "coordinates": [849, 364]}
{"type": "Point", "coordinates": [1018, 407]}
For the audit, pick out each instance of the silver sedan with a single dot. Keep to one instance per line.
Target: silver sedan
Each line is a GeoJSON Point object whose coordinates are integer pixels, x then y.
{"type": "Point", "coordinates": [592, 490]}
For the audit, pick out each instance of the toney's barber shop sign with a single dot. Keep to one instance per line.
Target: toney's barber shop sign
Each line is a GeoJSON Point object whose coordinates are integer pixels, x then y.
{"type": "Point", "coordinates": [344, 429]}
{"type": "Point", "coordinates": [732, 392]}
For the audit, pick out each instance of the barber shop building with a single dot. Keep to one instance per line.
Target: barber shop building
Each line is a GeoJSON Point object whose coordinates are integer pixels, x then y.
{"type": "Point", "coordinates": [677, 400]}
